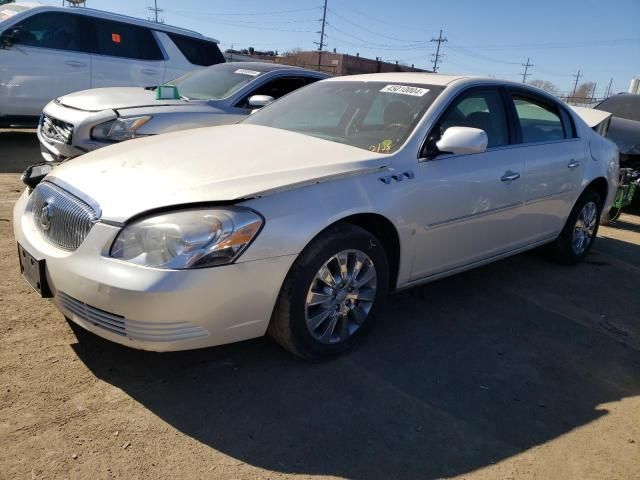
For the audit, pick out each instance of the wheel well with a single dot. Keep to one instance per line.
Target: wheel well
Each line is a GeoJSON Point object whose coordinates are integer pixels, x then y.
{"type": "Point", "coordinates": [384, 231]}
{"type": "Point", "coordinates": [600, 186]}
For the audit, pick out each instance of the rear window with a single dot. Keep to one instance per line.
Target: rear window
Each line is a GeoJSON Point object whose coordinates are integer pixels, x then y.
{"type": "Point", "coordinates": [198, 52]}
{"type": "Point", "coordinates": [118, 39]}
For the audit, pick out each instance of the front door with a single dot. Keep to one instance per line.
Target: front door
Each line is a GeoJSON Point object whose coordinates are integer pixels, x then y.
{"type": "Point", "coordinates": [49, 59]}
{"type": "Point", "coordinates": [468, 206]}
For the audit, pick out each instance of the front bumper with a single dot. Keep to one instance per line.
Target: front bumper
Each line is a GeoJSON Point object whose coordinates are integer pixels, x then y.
{"type": "Point", "coordinates": [149, 308]}
{"type": "Point", "coordinates": [81, 141]}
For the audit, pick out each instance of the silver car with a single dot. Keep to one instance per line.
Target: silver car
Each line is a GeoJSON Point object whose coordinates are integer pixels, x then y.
{"type": "Point", "coordinates": [300, 219]}
{"type": "Point", "coordinates": [218, 95]}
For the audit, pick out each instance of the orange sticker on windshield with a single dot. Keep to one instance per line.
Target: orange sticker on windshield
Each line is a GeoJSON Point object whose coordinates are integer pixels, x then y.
{"type": "Point", "coordinates": [115, 37]}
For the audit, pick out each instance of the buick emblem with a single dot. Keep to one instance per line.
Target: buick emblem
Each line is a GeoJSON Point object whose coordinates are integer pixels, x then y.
{"type": "Point", "coordinates": [45, 217]}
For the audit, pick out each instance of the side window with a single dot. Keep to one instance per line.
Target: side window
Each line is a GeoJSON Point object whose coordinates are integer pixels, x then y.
{"type": "Point", "coordinates": [198, 52]}
{"type": "Point", "coordinates": [124, 40]}
{"type": "Point", "coordinates": [275, 88]}
{"type": "Point", "coordinates": [57, 30]}
{"type": "Point", "coordinates": [481, 109]}
{"type": "Point", "coordinates": [539, 121]}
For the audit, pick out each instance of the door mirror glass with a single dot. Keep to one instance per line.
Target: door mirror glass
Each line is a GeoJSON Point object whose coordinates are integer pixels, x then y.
{"type": "Point", "coordinates": [258, 101]}
{"type": "Point", "coordinates": [8, 37]}
{"type": "Point", "coordinates": [463, 140]}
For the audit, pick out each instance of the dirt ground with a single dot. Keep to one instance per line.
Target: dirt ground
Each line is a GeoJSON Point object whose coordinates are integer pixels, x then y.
{"type": "Point", "coordinates": [521, 369]}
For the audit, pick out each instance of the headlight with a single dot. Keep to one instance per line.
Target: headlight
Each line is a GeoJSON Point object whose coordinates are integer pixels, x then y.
{"type": "Point", "coordinates": [119, 129]}
{"type": "Point", "coordinates": [188, 238]}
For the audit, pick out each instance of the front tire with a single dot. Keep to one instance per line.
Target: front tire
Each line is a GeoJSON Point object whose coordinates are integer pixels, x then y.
{"type": "Point", "coordinates": [580, 230]}
{"type": "Point", "coordinates": [331, 294]}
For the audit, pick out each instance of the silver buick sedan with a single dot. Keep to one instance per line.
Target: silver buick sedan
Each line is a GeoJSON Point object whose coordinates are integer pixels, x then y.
{"type": "Point", "coordinates": [300, 220]}
{"type": "Point", "coordinates": [222, 94]}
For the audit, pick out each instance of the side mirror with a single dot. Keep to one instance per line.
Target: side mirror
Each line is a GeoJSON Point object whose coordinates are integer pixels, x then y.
{"type": "Point", "coordinates": [8, 37]}
{"type": "Point", "coordinates": [463, 140]}
{"type": "Point", "coordinates": [34, 174]}
{"type": "Point", "coordinates": [260, 100]}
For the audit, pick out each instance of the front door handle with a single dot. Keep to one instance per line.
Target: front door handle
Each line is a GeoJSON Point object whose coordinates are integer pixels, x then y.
{"type": "Point", "coordinates": [75, 63]}
{"type": "Point", "coordinates": [573, 164]}
{"type": "Point", "coordinates": [149, 71]}
{"type": "Point", "coordinates": [510, 176]}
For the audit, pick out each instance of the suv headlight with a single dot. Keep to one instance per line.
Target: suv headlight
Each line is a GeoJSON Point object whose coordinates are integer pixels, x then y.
{"type": "Point", "coordinates": [188, 238]}
{"type": "Point", "coordinates": [119, 129]}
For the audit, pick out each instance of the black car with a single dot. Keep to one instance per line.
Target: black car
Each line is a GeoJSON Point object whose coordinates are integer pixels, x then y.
{"type": "Point", "coordinates": [624, 128]}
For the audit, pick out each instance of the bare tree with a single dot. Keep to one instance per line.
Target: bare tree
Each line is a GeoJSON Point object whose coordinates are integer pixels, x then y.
{"type": "Point", "coordinates": [582, 93]}
{"type": "Point", "coordinates": [545, 85]}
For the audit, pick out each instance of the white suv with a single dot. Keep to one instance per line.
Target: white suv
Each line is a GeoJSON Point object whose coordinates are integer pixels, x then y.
{"type": "Point", "coordinates": [46, 52]}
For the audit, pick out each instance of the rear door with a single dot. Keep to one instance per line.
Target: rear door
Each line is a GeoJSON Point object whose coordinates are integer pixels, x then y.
{"type": "Point", "coordinates": [49, 58]}
{"type": "Point", "coordinates": [125, 55]}
{"type": "Point", "coordinates": [554, 163]}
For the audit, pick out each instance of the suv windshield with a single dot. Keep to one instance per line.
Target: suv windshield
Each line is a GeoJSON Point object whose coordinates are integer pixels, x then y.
{"type": "Point", "coordinates": [376, 116]}
{"type": "Point", "coordinates": [216, 82]}
{"type": "Point", "coordinates": [8, 11]}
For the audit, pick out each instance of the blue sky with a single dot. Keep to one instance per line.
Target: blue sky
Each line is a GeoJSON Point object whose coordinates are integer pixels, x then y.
{"type": "Point", "coordinates": [491, 37]}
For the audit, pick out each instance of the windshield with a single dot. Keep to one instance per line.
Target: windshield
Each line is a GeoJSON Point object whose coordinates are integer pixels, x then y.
{"type": "Point", "coordinates": [8, 11]}
{"type": "Point", "coordinates": [376, 116]}
{"type": "Point", "coordinates": [216, 82]}
{"type": "Point", "coordinates": [623, 106]}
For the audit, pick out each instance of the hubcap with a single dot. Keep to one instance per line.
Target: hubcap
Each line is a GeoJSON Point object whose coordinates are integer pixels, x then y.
{"type": "Point", "coordinates": [584, 228]}
{"type": "Point", "coordinates": [340, 296]}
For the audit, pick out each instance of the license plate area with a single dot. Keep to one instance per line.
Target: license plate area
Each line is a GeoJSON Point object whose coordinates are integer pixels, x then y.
{"type": "Point", "coordinates": [33, 272]}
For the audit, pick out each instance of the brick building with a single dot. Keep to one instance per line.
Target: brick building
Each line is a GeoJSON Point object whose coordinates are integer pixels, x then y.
{"type": "Point", "coordinates": [342, 63]}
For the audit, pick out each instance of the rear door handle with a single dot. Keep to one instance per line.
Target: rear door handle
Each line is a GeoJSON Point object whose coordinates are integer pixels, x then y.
{"type": "Point", "coordinates": [510, 176]}
{"type": "Point", "coordinates": [149, 71]}
{"type": "Point", "coordinates": [573, 164]}
{"type": "Point", "coordinates": [75, 63]}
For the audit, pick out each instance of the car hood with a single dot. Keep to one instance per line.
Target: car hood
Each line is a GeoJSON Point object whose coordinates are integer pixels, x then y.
{"type": "Point", "coordinates": [209, 164]}
{"type": "Point", "coordinates": [115, 98]}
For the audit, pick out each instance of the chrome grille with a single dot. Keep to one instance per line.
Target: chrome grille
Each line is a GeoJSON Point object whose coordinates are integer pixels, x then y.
{"type": "Point", "coordinates": [63, 219]}
{"type": "Point", "coordinates": [56, 130]}
{"type": "Point", "coordinates": [147, 331]}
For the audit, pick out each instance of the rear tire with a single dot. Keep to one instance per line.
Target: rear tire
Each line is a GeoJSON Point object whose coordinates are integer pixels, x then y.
{"type": "Point", "coordinates": [331, 294]}
{"type": "Point", "coordinates": [580, 230]}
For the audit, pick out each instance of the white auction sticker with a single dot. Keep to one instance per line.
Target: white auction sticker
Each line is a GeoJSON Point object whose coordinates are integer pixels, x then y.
{"type": "Point", "coordinates": [405, 90]}
{"type": "Point", "coordinates": [242, 71]}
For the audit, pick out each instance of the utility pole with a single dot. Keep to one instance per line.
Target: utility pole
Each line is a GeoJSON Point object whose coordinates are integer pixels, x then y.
{"type": "Point", "coordinates": [437, 56]}
{"type": "Point", "coordinates": [575, 86]}
{"type": "Point", "coordinates": [526, 69]}
{"type": "Point", "coordinates": [593, 92]}
{"type": "Point", "coordinates": [609, 89]}
{"type": "Point", "coordinates": [321, 32]}
{"type": "Point", "coordinates": [155, 11]}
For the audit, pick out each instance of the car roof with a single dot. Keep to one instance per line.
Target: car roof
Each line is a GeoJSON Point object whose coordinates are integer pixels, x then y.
{"type": "Point", "coordinates": [268, 67]}
{"type": "Point", "coordinates": [420, 78]}
{"type": "Point", "coordinates": [92, 12]}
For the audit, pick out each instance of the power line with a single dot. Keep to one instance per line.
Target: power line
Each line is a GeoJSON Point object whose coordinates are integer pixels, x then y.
{"type": "Point", "coordinates": [155, 11]}
{"type": "Point", "coordinates": [575, 86]}
{"type": "Point", "coordinates": [526, 69]}
{"type": "Point", "coordinates": [437, 56]}
{"type": "Point", "coordinates": [609, 89]}
{"type": "Point", "coordinates": [321, 32]}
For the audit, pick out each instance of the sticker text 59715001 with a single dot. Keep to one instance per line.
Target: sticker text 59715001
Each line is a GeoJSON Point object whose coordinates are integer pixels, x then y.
{"type": "Point", "coordinates": [405, 90]}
